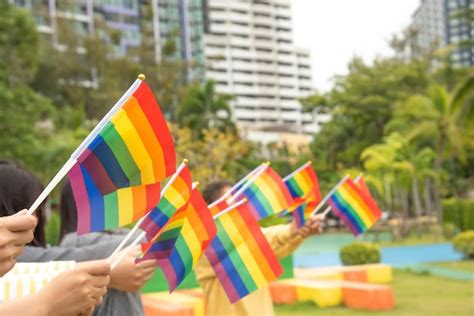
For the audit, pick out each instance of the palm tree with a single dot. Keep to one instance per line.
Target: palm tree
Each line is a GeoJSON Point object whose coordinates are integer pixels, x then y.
{"type": "Point", "coordinates": [442, 118]}
{"type": "Point", "coordinates": [203, 108]}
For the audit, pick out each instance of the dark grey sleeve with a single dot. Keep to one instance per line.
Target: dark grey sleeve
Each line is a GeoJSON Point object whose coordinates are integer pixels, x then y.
{"type": "Point", "coordinates": [98, 251]}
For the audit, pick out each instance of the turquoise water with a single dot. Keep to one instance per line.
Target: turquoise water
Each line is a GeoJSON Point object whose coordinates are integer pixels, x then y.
{"type": "Point", "coordinates": [320, 251]}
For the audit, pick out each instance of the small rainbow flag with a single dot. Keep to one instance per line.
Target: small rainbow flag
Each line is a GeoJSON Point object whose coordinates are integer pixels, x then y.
{"type": "Point", "coordinates": [176, 197]}
{"type": "Point", "coordinates": [177, 254]}
{"type": "Point", "coordinates": [267, 195]}
{"type": "Point", "coordinates": [303, 185]}
{"type": "Point", "coordinates": [354, 207]}
{"type": "Point", "coordinates": [134, 149]}
{"type": "Point", "coordinates": [240, 255]}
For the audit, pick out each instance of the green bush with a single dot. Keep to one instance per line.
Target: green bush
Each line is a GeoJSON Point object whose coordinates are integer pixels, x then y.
{"type": "Point", "coordinates": [459, 212]}
{"type": "Point", "coordinates": [464, 243]}
{"type": "Point", "coordinates": [52, 229]}
{"type": "Point", "coordinates": [450, 230]}
{"type": "Point", "coordinates": [360, 252]}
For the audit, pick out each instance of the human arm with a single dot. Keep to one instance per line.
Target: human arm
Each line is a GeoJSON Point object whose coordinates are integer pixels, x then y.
{"type": "Point", "coordinates": [284, 239]}
{"type": "Point", "coordinates": [72, 292]}
{"type": "Point", "coordinates": [129, 276]}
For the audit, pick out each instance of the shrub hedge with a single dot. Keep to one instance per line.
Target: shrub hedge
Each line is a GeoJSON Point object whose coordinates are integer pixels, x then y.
{"type": "Point", "coordinates": [360, 252]}
{"type": "Point", "coordinates": [464, 243]}
{"type": "Point", "coordinates": [460, 212]}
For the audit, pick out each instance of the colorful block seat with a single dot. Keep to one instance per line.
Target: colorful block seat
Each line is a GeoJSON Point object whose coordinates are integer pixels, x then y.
{"type": "Point", "coordinates": [355, 273]}
{"type": "Point", "coordinates": [175, 304]}
{"type": "Point", "coordinates": [321, 293]}
{"type": "Point", "coordinates": [328, 274]}
{"type": "Point", "coordinates": [379, 273]}
{"type": "Point", "coordinates": [283, 292]}
{"type": "Point", "coordinates": [367, 296]}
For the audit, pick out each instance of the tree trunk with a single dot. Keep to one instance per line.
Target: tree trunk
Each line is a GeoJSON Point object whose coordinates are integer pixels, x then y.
{"type": "Point", "coordinates": [388, 193]}
{"type": "Point", "coordinates": [427, 195]}
{"type": "Point", "coordinates": [416, 202]}
{"type": "Point", "coordinates": [438, 169]}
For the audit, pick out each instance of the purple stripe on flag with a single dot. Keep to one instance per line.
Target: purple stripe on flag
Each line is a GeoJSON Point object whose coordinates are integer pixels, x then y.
{"type": "Point", "coordinates": [221, 273]}
{"type": "Point", "coordinates": [81, 198]}
{"type": "Point", "coordinates": [169, 273]}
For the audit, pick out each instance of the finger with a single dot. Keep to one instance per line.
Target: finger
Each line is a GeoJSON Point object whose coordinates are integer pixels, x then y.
{"type": "Point", "coordinates": [22, 212]}
{"type": "Point", "coordinates": [23, 237]}
{"type": "Point", "coordinates": [101, 280]}
{"type": "Point", "coordinates": [147, 264]}
{"type": "Point", "coordinates": [19, 223]}
{"type": "Point", "coordinates": [98, 292]}
{"type": "Point", "coordinates": [96, 267]}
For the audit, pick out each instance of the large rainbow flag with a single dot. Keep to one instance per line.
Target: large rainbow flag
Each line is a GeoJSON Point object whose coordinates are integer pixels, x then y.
{"type": "Point", "coordinates": [183, 240]}
{"type": "Point", "coordinates": [267, 195]}
{"type": "Point", "coordinates": [240, 255]}
{"type": "Point", "coordinates": [176, 197]}
{"type": "Point", "coordinates": [123, 165]}
{"type": "Point", "coordinates": [355, 207]}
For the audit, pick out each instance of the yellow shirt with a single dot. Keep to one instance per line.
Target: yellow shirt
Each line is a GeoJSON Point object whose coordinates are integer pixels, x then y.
{"type": "Point", "coordinates": [256, 303]}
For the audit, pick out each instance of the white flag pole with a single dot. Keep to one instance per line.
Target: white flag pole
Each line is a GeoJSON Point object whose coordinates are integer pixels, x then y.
{"type": "Point", "coordinates": [323, 201]}
{"type": "Point", "coordinates": [241, 181]}
{"type": "Point", "coordinates": [249, 182]}
{"type": "Point", "coordinates": [140, 221]}
{"type": "Point", "coordinates": [297, 170]}
{"type": "Point", "coordinates": [328, 209]}
{"type": "Point", "coordinates": [86, 142]}
{"type": "Point", "coordinates": [230, 208]}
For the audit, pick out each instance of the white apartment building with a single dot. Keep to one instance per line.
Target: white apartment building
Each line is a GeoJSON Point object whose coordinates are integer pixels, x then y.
{"type": "Point", "coordinates": [429, 21]}
{"type": "Point", "coordinates": [250, 54]}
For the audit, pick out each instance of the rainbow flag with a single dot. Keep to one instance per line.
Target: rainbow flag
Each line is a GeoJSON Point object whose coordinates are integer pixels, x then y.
{"type": "Point", "coordinates": [133, 150]}
{"type": "Point", "coordinates": [176, 197]}
{"type": "Point", "coordinates": [267, 195]}
{"type": "Point", "coordinates": [304, 186]}
{"type": "Point", "coordinates": [177, 254]}
{"type": "Point", "coordinates": [240, 255]}
{"type": "Point", "coordinates": [354, 207]}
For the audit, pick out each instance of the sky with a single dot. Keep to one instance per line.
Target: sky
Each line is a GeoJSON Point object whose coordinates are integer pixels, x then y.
{"type": "Point", "coordinates": [336, 30]}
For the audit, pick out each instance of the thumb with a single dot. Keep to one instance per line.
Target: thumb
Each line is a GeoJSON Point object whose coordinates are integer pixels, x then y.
{"type": "Point", "coordinates": [96, 267]}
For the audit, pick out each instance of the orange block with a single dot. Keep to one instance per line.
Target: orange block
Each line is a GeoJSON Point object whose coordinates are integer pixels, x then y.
{"type": "Point", "coordinates": [283, 293]}
{"type": "Point", "coordinates": [154, 307]}
{"type": "Point", "coordinates": [355, 274]}
{"type": "Point", "coordinates": [367, 296]}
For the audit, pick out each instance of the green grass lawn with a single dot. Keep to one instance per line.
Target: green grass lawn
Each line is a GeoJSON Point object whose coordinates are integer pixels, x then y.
{"type": "Point", "coordinates": [464, 265]}
{"type": "Point", "coordinates": [415, 294]}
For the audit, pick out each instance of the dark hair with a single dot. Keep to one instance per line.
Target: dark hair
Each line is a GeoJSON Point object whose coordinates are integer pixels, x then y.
{"type": "Point", "coordinates": [18, 190]}
{"type": "Point", "coordinates": [67, 211]}
{"type": "Point", "coordinates": [213, 190]}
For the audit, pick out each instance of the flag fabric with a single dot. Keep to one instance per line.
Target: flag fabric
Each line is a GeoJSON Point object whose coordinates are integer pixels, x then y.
{"type": "Point", "coordinates": [354, 207]}
{"type": "Point", "coordinates": [304, 186]}
{"type": "Point", "coordinates": [219, 207]}
{"type": "Point", "coordinates": [176, 197]}
{"type": "Point", "coordinates": [97, 212]}
{"type": "Point", "coordinates": [267, 195]}
{"type": "Point", "coordinates": [183, 240]}
{"type": "Point", "coordinates": [240, 255]}
{"type": "Point", "coordinates": [133, 150]}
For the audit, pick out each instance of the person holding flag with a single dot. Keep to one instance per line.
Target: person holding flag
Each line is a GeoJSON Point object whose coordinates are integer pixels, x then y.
{"type": "Point", "coordinates": [283, 239]}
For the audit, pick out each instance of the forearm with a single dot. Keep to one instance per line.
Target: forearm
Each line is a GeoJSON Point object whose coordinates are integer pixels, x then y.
{"type": "Point", "coordinates": [282, 239]}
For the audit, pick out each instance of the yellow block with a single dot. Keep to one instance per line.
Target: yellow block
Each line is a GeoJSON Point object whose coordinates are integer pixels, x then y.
{"type": "Point", "coordinates": [321, 293]}
{"type": "Point", "coordinates": [196, 303]}
{"type": "Point", "coordinates": [379, 273]}
{"type": "Point", "coordinates": [324, 274]}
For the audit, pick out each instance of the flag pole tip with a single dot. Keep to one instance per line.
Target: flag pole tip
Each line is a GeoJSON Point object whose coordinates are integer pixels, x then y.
{"type": "Point", "coordinates": [196, 183]}
{"type": "Point", "coordinates": [244, 200]}
{"type": "Point", "coordinates": [141, 77]}
{"type": "Point", "coordinates": [310, 162]}
{"type": "Point", "coordinates": [268, 163]}
{"type": "Point", "coordinates": [185, 160]}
